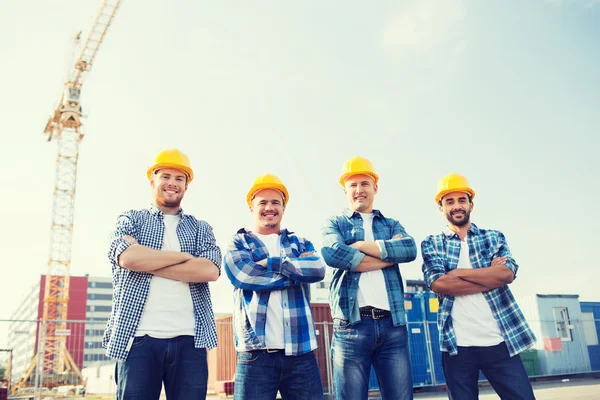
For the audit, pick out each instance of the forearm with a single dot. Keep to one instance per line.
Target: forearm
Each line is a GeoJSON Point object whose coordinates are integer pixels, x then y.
{"type": "Point", "coordinates": [144, 259]}
{"type": "Point", "coordinates": [369, 248]}
{"type": "Point", "coordinates": [303, 269]}
{"type": "Point", "coordinates": [455, 286]}
{"type": "Point", "coordinates": [371, 264]}
{"type": "Point", "coordinates": [246, 274]}
{"type": "Point", "coordinates": [491, 277]}
{"type": "Point", "coordinates": [194, 270]}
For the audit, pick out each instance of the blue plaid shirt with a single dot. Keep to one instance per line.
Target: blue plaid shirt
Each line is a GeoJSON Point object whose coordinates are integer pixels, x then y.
{"type": "Point", "coordinates": [130, 288]}
{"type": "Point", "coordinates": [343, 230]}
{"type": "Point", "coordinates": [440, 255]}
{"type": "Point", "coordinates": [253, 285]}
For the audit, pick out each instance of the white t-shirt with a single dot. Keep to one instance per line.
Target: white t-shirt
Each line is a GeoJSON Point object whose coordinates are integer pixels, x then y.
{"type": "Point", "coordinates": [274, 336]}
{"type": "Point", "coordinates": [371, 285]}
{"type": "Point", "coordinates": [169, 310]}
{"type": "Point", "coordinates": [472, 318]}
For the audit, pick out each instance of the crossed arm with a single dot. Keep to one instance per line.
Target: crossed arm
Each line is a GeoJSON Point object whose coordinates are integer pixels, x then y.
{"type": "Point", "coordinates": [173, 265]}
{"type": "Point", "coordinates": [363, 256]}
{"type": "Point", "coordinates": [128, 253]}
{"type": "Point", "coordinates": [271, 273]}
{"type": "Point", "coordinates": [464, 281]}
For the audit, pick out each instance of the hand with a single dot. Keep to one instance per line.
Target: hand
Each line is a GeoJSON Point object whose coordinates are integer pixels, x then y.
{"type": "Point", "coordinates": [398, 236]}
{"type": "Point", "coordinates": [263, 262]}
{"type": "Point", "coordinates": [130, 239]}
{"type": "Point", "coordinates": [307, 254]}
{"type": "Point", "coordinates": [498, 261]}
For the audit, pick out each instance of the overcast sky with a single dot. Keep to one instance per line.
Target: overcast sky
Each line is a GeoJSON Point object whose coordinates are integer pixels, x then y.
{"type": "Point", "coordinates": [505, 93]}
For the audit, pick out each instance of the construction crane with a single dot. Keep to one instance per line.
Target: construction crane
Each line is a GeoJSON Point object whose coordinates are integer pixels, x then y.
{"type": "Point", "coordinates": [64, 127]}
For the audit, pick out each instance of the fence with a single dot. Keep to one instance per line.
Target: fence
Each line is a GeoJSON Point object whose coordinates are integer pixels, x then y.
{"type": "Point", "coordinates": [41, 367]}
{"type": "Point", "coordinates": [552, 355]}
{"type": "Point", "coordinates": [30, 368]}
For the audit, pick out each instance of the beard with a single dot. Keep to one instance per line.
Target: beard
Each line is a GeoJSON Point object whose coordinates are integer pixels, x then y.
{"type": "Point", "coordinates": [461, 222]}
{"type": "Point", "coordinates": [162, 201]}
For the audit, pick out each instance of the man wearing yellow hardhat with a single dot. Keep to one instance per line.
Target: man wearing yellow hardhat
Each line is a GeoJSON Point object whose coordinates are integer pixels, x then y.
{"type": "Point", "coordinates": [365, 248]}
{"type": "Point", "coordinates": [481, 326]}
{"type": "Point", "coordinates": [162, 321]}
{"type": "Point", "coordinates": [271, 269]}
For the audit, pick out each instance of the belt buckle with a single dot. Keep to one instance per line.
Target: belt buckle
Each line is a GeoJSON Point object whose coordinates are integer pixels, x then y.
{"type": "Point", "coordinates": [373, 313]}
{"type": "Point", "coordinates": [272, 350]}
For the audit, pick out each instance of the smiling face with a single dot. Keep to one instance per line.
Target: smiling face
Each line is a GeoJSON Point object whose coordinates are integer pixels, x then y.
{"type": "Point", "coordinates": [267, 208]}
{"type": "Point", "coordinates": [168, 187]}
{"type": "Point", "coordinates": [360, 191]}
{"type": "Point", "coordinates": [457, 207]}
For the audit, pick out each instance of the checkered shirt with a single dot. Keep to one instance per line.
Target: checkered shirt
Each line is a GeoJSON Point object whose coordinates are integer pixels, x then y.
{"type": "Point", "coordinates": [253, 284]}
{"type": "Point", "coordinates": [338, 234]}
{"type": "Point", "coordinates": [130, 288]}
{"type": "Point", "coordinates": [440, 255]}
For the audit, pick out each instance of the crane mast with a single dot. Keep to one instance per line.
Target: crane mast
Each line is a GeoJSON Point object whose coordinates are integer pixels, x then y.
{"type": "Point", "coordinates": [64, 127]}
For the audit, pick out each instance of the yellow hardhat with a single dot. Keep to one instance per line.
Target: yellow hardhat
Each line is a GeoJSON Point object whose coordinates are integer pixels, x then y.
{"type": "Point", "coordinates": [453, 183]}
{"type": "Point", "coordinates": [357, 166]}
{"type": "Point", "coordinates": [267, 181]}
{"type": "Point", "coordinates": [172, 158]}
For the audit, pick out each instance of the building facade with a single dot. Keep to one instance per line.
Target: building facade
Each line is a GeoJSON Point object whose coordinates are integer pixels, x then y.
{"type": "Point", "coordinates": [90, 300]}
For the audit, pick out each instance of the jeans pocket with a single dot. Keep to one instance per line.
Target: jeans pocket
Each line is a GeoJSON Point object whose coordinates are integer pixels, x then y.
{"type": "Point", "coordinates": [139, 340]}
{"type": "Point", "coordinates": [343, 326]}
{"type": "Point", "coordinates": [247, 357]}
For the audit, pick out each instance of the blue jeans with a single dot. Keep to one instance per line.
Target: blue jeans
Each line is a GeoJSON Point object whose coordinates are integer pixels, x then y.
{"type": "Point", "coordinates": [176, 362]}
{"type": "Point", "coordinates": [506, 374]}
{"type": "Point", "coordinates": [260, 374]}
{"type": "Point", "coordinates": [371, 341]}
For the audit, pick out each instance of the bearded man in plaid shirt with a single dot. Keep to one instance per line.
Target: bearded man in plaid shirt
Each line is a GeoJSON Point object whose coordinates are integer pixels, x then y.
{"type": "Point", "coordinates": [481, 326]}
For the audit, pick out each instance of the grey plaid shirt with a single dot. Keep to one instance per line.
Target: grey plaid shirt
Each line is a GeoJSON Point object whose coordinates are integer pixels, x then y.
{"type": "Point", "coordinates": [130, 288]}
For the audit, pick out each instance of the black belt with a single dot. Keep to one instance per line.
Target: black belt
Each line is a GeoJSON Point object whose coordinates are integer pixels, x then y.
{"type": "Point", "coordinates": [375, 313]}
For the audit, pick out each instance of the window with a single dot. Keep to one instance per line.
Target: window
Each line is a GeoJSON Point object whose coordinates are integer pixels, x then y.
{"type": "Point", "coordinates": [99, 296]}
{"type": "Point", "coordinates": [100, 308]}
{"type": "Point", "coordinates": [589, 328]}
{"type": "Point", "coordinates": [561, 320]}
{"type": "Point", "coordinates": [100, 285]}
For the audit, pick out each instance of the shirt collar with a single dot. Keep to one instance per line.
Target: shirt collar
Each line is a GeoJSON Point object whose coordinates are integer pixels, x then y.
{"type": "Point", "coordinates": [450, 233]}
{"type": "Point", "coordinates": [352, 214]}
{"type": "Point", "coordinates": [155, 211]}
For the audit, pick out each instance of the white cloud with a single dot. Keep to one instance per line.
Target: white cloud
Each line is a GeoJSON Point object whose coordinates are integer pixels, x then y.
{"type": "Point", "coordinates": [424, 25]}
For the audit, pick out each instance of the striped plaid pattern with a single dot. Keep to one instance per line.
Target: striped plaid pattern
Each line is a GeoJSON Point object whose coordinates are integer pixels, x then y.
{"type": "Point", "coordinates": [253, 284]}
{"type": "Point", "coordinates": [440, 254]}
{"type": "Point", "coordinates": [343, 230]}
{"type": "Point", "coordinates": [130, 288]}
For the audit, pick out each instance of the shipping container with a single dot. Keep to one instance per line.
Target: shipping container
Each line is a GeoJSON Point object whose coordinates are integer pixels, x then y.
{"type": "Point", "coordinates": [223, 358]}
{"type": "Point", "coordinates": [324, 330]}
{"type": "Point", "coordinates": [556, 320]}
{"type": "Point", "coordinates": [590, 312]}
{"type": "Point", "coordinates": [420, 356]}
{"type": "Point", "coordinates": [432, 306]}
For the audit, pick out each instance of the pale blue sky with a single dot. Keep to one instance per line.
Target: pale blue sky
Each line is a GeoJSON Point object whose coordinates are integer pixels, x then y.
{"type": "Point", "coordinates": [505, 93]}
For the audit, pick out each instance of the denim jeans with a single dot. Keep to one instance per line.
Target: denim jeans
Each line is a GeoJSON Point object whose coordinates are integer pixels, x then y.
{"type": "Point", "coordinates": [260, 374]}
{"type": "Point", "coordinates": [371, 341]}
{"type": "Point", "coordinates": [176, 362]}
{"type": "Point", "coordinates": [506, 374]}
